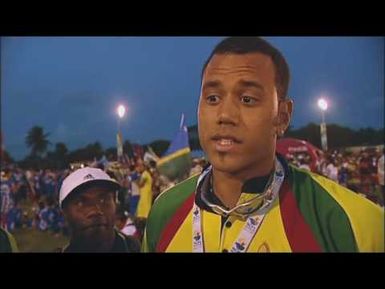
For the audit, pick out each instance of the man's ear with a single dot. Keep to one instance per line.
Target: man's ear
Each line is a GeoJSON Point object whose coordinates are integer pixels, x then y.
{"type": "Point", "coordinates": [64, 212]}
{"type": "Point", "coordinates": [285, 109]}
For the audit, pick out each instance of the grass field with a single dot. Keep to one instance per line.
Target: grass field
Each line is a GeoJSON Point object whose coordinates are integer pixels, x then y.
{"type": "Point", "coordinates": [32, 240]}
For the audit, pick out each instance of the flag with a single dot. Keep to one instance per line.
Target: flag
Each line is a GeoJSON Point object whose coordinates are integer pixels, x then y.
{"type": "Point", "coordinates": [176, 162]}
{"type": "Point", "coordinates": [150, 155]}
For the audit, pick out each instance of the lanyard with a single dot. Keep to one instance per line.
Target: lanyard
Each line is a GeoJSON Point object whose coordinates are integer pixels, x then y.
{"type": "Point", "coordinates": [252, 223]}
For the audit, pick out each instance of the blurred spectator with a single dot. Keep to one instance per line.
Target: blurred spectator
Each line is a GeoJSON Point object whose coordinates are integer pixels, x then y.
{"type": "Point", "coordinates": [332, 170]}
{"type": "Point", "coordinates": [303, 163]}
{"type": "Point", "coordinates": [125, 223]}
{"type": "Point", "coordinates": [145, 187]}
{"type": "Point", "coordinates": [365, 170]}
{"type": "Point", "coordinates": [6, 198]}
{"type": "Point", "coordinates": [14, 218]}
{"type": "Point", "coordinates": [42, 217]}
{"type": "Point", "coordinates": [134, 190]}
{"type": "Point", "coordinates": [196, 167]}
{"type": "Point", "coordinates": [343, 174]}
{"type": "Point", "coordinates": [380, 173]}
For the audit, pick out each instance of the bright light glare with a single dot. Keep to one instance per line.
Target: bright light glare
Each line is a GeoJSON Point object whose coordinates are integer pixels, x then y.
{"type": "Point", "coordinates": [322, 103]}
{"type": "Point", "coordinates": [121, 111]}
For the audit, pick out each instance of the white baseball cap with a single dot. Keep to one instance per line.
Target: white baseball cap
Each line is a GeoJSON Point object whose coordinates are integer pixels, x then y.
{"type": "Point", "coordinates": [84, 176]}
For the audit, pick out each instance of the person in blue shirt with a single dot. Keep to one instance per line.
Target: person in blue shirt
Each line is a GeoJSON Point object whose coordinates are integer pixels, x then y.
{"type": "Point", "coordinates": [134, 190]}
{"type": "Point", "coordinates": [14, 217]}
{"type": "Point", "coordinates": [6, 198]}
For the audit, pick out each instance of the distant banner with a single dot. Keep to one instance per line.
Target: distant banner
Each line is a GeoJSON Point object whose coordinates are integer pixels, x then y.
{"type": "Point", "coordinates": [287, 146]}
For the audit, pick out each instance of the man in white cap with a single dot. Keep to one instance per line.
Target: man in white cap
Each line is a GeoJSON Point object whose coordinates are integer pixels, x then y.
{"type": "Point", "coordinates": [87, 198]}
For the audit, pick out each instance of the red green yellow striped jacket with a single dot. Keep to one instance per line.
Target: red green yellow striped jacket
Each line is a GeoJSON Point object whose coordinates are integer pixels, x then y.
{"type": "Point", "coordinates": [311, 214]}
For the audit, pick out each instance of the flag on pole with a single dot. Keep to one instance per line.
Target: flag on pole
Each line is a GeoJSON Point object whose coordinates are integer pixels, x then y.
{"type": "Point", "coordinates": [176, 162]}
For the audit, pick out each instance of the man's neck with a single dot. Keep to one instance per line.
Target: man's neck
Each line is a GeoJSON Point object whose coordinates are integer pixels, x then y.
{"type": "Point", "coordinates": [228, 186]}
{"type": "Point", "coordinates": [83, 245]}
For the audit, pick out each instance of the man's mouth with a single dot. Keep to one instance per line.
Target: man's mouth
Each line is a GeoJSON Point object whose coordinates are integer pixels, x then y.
{"type": "Point", "coordinates": [95, 226]}
{"type": "Point", "coordinates": [225, 143]}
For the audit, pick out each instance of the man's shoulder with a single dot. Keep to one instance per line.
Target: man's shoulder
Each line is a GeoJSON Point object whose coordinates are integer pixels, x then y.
{"type": "Point", "coordinates": [7, 242]}
{"type": "Point", "coordinates": [179, 192]}
{"type": "Point", "coordinates": [328, 194]}
{"type": "Point", "coordinates": [132, 244]}
{"type": "Point", "coordinates": [337, 204]}
{"type": "Point", "coordinates": [347, 198]}
{"type": "Point", "coordinates": [313, 183]}
{"type": "Point", "coordinates": [168, 204]}
{"type": "Point", "coordinates": [171, 199]}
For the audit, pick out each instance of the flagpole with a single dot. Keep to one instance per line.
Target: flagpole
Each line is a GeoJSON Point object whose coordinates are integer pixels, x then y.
{"type": "Point", "coordinates": [119, 148]}
{"type": "Point", "coordinates": [181, 121]}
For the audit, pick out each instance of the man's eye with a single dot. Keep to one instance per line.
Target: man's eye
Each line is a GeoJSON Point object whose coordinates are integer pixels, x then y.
{"type": "Point", "coordinates": [248, 100]}
{"type": "Point", "coordinates": [212, 99]}
{"type": "Point", "coordinates": [79, 203]}
{"type": "Point", "coordinates": [106, 199]}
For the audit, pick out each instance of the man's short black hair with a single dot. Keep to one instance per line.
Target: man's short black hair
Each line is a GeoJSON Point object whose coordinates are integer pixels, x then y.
{"type": "Point", "coordinates": [244, 45]}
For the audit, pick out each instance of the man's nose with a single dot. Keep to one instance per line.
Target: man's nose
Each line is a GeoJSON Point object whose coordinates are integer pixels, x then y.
{"type": "Point", "coordinates": [228, 112]}
{"type": "Point", "coordinates": [95, 211]}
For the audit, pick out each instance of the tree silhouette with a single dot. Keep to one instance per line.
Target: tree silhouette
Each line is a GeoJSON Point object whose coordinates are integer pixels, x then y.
{"type": "Point", "coordinates": [37, 140]}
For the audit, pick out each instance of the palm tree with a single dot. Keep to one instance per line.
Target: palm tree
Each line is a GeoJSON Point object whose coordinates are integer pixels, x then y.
{"type": "Point", "coordinates": [60, 155]}
{"type": "Point", "coordinates": [37, 140]}
{"type": "Point", "coordinates": [61, 149]}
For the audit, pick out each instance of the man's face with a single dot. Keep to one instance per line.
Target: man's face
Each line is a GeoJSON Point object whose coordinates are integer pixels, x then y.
{"type": "Point", "coordinates": [238, 113]}
{"type": "Point", "coordinates": [140, 167]}
{"type": "Point", "coordinates": [91, 213]}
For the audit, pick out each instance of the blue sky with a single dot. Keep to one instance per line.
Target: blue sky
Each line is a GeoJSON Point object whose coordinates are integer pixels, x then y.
{"type": "Point", "coordinates": [71, 85]}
